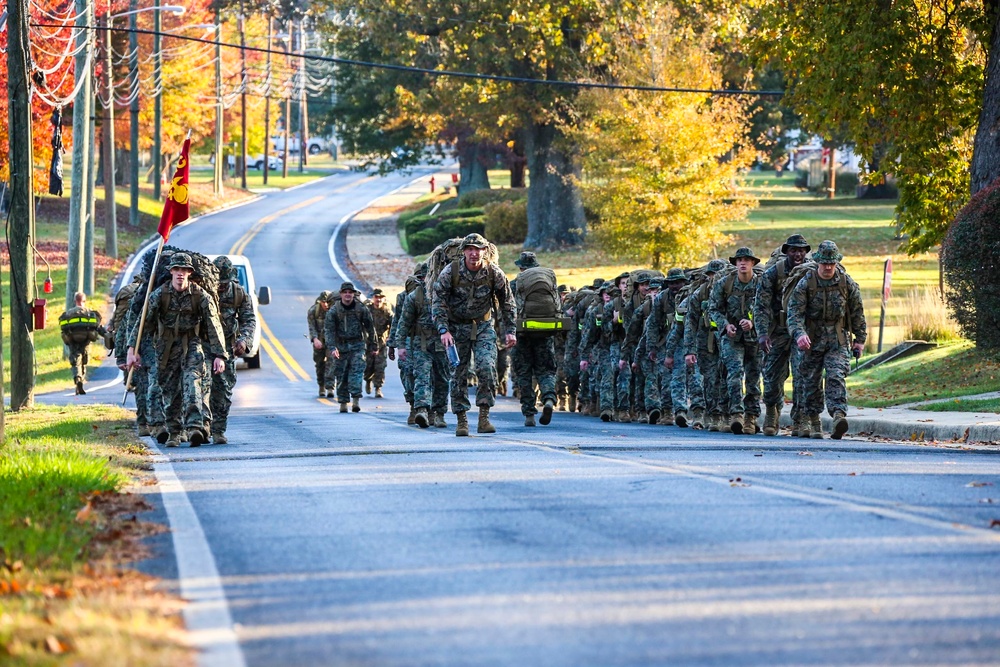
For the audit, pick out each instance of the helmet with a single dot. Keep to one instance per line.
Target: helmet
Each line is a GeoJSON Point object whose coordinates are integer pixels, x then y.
{"type": "Point", "coordinates": [180, 260]}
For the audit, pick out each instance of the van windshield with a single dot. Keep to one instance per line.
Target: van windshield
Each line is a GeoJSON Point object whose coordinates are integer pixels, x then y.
{"type": "Point", "coordinates": [241, 272]}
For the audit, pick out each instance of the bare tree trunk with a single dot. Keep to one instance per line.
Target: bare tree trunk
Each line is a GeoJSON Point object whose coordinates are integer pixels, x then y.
{"type": "Point", "coordinates": [474, 159]}
{"type": "Point", "coordinates": [985, 167]}
{"type": "Point", "coordinates": [555, 206]}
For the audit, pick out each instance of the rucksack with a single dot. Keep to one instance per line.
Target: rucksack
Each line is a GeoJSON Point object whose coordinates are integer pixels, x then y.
{"type": "Point", "coordinates": [78, 325]}
{"type": "Point", "coordinates": [808, 270]}
{"type": "Point", "coordinates": [537, 294]}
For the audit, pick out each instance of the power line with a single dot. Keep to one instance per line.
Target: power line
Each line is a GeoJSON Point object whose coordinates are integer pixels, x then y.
{"type": "Point", "coordinates": [555, 83]}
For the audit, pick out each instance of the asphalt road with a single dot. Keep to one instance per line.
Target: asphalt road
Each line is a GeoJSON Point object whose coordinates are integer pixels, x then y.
{"type": "Point", "coordinates": [333, 539]}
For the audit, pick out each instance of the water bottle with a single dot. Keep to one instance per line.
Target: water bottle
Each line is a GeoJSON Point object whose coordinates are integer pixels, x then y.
{"type": "Point", "coordinates": [452, 351]}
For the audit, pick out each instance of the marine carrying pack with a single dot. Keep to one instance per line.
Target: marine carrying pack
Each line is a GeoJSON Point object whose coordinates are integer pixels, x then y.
{"type": "Point", "coordinates": [808, 270]}
{"type": "Point", "coordinates": [538, 302]}
{"type": "Point", "coordinates": [78, 325]}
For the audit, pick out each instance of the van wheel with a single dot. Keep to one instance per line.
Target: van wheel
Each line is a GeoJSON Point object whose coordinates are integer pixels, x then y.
{"type": "Point", "coordinates": [314, 149]}
{"type": "Point", "coordinates": [254, 361]}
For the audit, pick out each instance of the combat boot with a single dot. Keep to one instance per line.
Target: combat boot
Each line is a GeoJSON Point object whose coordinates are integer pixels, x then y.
{"type": "Point", "coordinates": [771, 415]}
{"type": "Point", "coordinates": [331, 393]}
{"type": "Point", "coordinates": [142, 430]}
{"type": "Point", "coordinates": [750, 425]}
{"type": "Point", "coordinates": [462, 428]}
{"type": "Point", "coordinates": [666, 418]}
{"type": "Point", "coordinates": [484, 425]}
{"type": "Point", "coordinates": [343, 406]}
{"type": "Point", "coordinates": [736, 423]}
{"type": "Point", "coordinates": [713, 423]}
{"type": "Point", "coordinates": [368, 387]}
{"type": "Point", "coordinates": [197, 437]}
{"type": "Point", "coordinates": [546, 413]}
{"type": "Point", "coordinates": [641, 417]}
{"type": "Point", "coordinates": [529, 420]}
{"type": "Point", "coordinates": [840, 425]}
{"type": "Point", "coordinates": [439, 421]}
{"type": "Point", "coordinates": [378, 392]}
{"type": "Point", "coordinates": [160, 433]}
{"type": "Point", "coordinates": [79, 388]}
{"type": "Point", "coordinates": [653, 417]}
{"type": "Point", "coordinates": [322, 391]}
{"type": "Point", "coordinates": [571, 406]}
{"type": "Point", "coordinates": [625, 417]}
{"type": "Point", "coordinates": [681, 418]}
{"type": "Point", "coordinates": [815, 427]}
{"type": "Point", "coordinates": [356, 406]}
{"type": "Point", "coordinates": [606, 415]}
{"type": "Point", "coordinates": [421, 419]}
{"type": "Point", "coordinates": [699, 419]}
{"type": "Point", "coordinates": [562, 403]}
{"type": "Point", "coordinates": [411, 420]}
{"type": "Point", "coordinates": [173, 440]}
{"type": "Point", "coordinates": [220, 439]}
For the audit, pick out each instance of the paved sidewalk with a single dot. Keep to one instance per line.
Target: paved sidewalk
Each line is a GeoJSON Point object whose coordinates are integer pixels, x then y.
{"type": "Point", "coordinates": [376, 254]}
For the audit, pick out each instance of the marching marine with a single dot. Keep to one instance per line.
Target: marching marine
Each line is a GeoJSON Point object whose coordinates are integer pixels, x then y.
{"type": "Point", "coordinates": [376, 363]}
{"type": "Point", "coordinates": [701, 347]}
{"type": "Point", "coordinates": [79, 327]}
{"type": "Point", "coordinates": [426, 357]}
{"type": "Point", "coordinates": [349, 330]}
{"type": "Point", "coordinates": [238, 327]}
{"type": "Point", "coordinates": [536, 299]}
{"type": "Point", "coordinates": [826, 319]}
{"type": "Point", "coordinates": [316, 320]}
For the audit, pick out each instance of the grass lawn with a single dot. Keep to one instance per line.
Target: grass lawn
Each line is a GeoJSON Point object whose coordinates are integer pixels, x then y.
{"type": "Point", "coordinates": [949, 371]}
{"type": "Point", "coordinates": [965, 405]}
{"type": "Point", "coordinates": [65, 530]}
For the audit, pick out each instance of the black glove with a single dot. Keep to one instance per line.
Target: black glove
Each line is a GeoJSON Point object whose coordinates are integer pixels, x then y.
{"type": "Point", "coordinates": [392, 354]}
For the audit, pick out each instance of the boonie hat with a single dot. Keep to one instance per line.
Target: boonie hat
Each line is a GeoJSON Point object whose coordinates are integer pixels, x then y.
{"type": "Point", "coordinates": [527, 260]}
{"type": "Point", "coordinates": [715, 266]}
{"type": "Point", "coordinates": [347, 287]}
{"type": "Point", "coordinates": [744, 252]}
{"type": "Point", "coordinates": [795, 241]}
{"type": "Point", "coordinates": [676, 275]}
{"type": "Point", "coordinates": [827, 253]}
{"type": "Point", "coordinates": [180, 260]}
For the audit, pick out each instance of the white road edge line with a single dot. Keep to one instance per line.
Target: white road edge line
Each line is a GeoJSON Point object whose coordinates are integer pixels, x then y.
{"type": "Point", "coordinates": [206, 616]}
{"type": "Point", "coordinates": [332, 245]}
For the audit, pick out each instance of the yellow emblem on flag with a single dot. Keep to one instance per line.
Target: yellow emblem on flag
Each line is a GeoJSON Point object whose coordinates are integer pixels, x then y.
{"type": "Point", "coordinates": [178, 191]}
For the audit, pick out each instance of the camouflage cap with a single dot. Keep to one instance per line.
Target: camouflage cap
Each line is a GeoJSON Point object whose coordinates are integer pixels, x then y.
{"type": "Point", "coordinates": [347, 287]}
{"type": "Point", "coordinates": [623, 274]}
{"type": "Point", "coordinates": [642, 277]}
{"type": "Point", "coordinates": [476, 241]}
{"type": "Point", "coordinates": [527, 260]}
{"type": "Point", "coordinates": [676, 275]}
{"type": "Point", "coordinates": [598, 282]}
{"type": "Point", "coordinates": [795, 241]}
{"type": "Point", "coordinates": [715, 266]}
{"type": "Point", "coordinates": [377, 292]}
{"type": "Point", "coordinates": [421, 270]}
{"type": "Point", "coordinates": [744, 252]}
{"type": "Point", "coordinates": [180, 260]}
{"type": "Point", "coordinates": [225, 267]}
{"type": "Point", "coordinates": [562, 289]}
{"type": "Point", "coordinates": [606, 286]}
{"type": "Point", "coordinates": [656, 282]}
{"type": "Point", "coordinates": [827, 253]}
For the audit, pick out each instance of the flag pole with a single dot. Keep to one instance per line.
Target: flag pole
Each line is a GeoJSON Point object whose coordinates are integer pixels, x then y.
{"type": "Point", "coordinates": [142, 317]}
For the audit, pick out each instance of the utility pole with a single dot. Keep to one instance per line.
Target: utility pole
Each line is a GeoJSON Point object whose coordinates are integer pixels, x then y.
{"type": "Point", "coordinates": [108, 134]}
{"type": "Point", "coordinates": [303, 130]}
{"type": "Point", "coordinates": [288, 99]}
{"type": "Point", "coordinates": [267, 98]}
{"type": "Point", "coordinates": [78, 205]}
{"type": "Point", "coordinates": [90, 207]}
{"type": "Point", "coordinates": [133, 109]}
{"type": "Point", "coordinates": [832, 191]}
{"type": "Point", "coordinates": [157, 103]}
{"type": "Point", "coordinates": [243, 98]}
{"type": "Point", "coordinates": [304, 104]}
{"type": "Point", "coordinates": [22, 211]}
{"type": "Point", "coordinates": [218, 102]}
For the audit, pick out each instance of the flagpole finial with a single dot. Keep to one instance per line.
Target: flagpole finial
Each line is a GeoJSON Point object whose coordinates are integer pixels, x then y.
{"type": "Point", "coordinates": [189, 134]}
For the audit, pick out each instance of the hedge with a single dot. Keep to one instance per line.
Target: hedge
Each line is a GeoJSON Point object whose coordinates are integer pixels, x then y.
{"type": "Point", "coordinates": [480, 198]}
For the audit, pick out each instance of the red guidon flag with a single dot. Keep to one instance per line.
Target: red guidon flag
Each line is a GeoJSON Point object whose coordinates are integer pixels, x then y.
{"type": "Point", "coordinates": [175, 209]}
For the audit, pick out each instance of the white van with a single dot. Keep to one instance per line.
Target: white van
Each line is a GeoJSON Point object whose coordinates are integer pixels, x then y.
{"type": "Point", "coordinates": [249, 285]}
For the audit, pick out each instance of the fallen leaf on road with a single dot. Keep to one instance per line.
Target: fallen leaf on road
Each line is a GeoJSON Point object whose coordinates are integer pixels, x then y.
{"type": "Point", "coordinates": [52, 645]}
{"type": "Point", "coordinates": [852, 474]}
{"type": "Point", "coordinates": [995, 523]}
{"type": "Point", "coordinates": [974, 485]}
{"type": "Point", "coordinates": [805, 453]}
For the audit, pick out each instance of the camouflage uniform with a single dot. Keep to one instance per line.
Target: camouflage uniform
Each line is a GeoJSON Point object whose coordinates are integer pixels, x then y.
{"type": "Point", "coordinates": [615, 381]}
{"type": "Point", "coordinates": [148, 396]}
{"type": "Point", "coordinates": [769, 320]}
{"type": "Point", "coordinates": [238, 326]}
{"type": "Point", "coordinates": [347, 328]}
{"type": "Point", "coordinates": [687, 390]}
{"type": "Point", "coordinates": [187, 324]}
{"type": "Point", "coordinates": [635, 323]}
{"type": "Point", "coordinates": [658, 324]}
{"type": "Point", "coordinates": [595, 348]}
{"type": "Point", "coordinates": [400, 340]}
{"type": "Point", "coordinates": [700, 339]}
{"type": "Point", "coordinates": [326, 378]}
{"type": "Point", "coordinates": [571, 354]}
{"type": "Point", "coordinates": [375, 368]}
{"type": "Point", "coordinates": [731, 301]}
{"type": "Point", "coordinates": [462, 305]}
{"type": "Point", "coordinates": [119, 328]}
{"type": "Point", "coordinates": [426, 354]}
{"type": "Point", "coordinates": [534, 357]}
{"type": "Point", "coordinates": [830, 312]}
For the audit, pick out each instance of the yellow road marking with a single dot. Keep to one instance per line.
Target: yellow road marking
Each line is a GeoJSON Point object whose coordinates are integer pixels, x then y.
{"type": "Point", "coordinates": [276, 358]}
{"type": "Point", "coordinates": [294, 365]}
{"type": "Point", "coordinates": [244, 240]}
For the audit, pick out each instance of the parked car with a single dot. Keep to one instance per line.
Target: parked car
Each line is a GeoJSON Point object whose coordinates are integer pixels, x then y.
{"type": "Point", "coordinates": [273, 162]}
{"type": "Point", "coordinates": [316, 144]}
{"type": "Point", "coordinates": [261, 298]}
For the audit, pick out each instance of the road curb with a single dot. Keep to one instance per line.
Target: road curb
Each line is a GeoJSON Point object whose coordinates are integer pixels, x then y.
{"type": "Point", "coordinates": [911, 431]}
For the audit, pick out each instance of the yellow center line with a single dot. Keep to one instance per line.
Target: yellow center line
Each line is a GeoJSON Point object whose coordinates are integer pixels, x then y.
{"type": "Point", "coordinates": [288, 358]}
{"type": "Point", "coordinates": [276, 358]}
{"type": "Point", "coordinates": [244, 240]}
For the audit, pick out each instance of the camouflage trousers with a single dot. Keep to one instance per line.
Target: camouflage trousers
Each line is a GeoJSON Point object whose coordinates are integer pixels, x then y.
{"type": "Point", "coordinates": [783, 354]}
{"type": "Point", "coordinates": [637, 387]}
{"type": "Point", "coordinates": [148, 395]}
{"type": "Point", "coordinates": [505, 370]}
{"type": "Point", "coordinates": [78, 359]}
{"type": "Point", "coordinates": [221, 399]}
{"type": "Point", "coordinates": [350, 370]}
{"type": "Point", "coordinates": [483, 349]}
{"type": "Point", "coordinates": [826, 354]}
{"type": "Point", "coordinates": [406, 372]}
{"type": "Point", "coordinates": [534, 359]}
{"type": "Point", "coordinates": [431, 376]}
{"type": "Point", "coordinates": [687, 391]}
{"type": "Point", "coordinates": [598, 368]}
{"type": "Point", "coordinates": [185, 385]}
{"type": "Point", "coordinates": [741, 360]}
{"type": "Point", "coordinates": [325, 375]}
{"type": "Point", "coordinates": [571, 369]}
{"type": "Point", "coordinates": [615, 381]}
{"type": "Point", "coordinates": [713, 381]}
{"type": "Point", "coordinates": [654, 373]}
{"type": "Point", "coordinates": [375, 366]}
